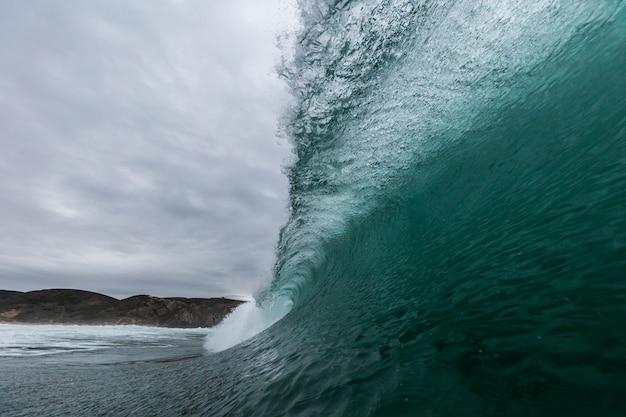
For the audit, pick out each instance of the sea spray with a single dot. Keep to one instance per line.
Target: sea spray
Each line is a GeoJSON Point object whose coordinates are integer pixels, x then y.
{"type": "Point", "coordinates": [244, 322]}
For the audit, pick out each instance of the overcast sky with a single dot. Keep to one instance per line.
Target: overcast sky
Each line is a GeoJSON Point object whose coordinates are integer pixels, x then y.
{"type": "Point", "coordinates": [139, 147]}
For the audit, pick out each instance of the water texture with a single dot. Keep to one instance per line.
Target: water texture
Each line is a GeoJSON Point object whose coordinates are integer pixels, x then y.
{"type": "Point", "coordinates": [457, 238]}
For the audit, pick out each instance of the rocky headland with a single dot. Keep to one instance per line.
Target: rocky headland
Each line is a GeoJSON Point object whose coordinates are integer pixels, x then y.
{"type": "Point", "coordinates": [67, 306]}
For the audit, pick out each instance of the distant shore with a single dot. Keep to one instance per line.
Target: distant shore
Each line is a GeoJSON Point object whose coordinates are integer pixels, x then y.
{"type": "Point", "coordinates": [70, 306]}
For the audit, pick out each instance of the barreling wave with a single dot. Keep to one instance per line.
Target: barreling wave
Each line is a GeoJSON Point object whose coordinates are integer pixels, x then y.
{"type": "Point", "coordinates": [384, 88]}
{"type": "Point", "coordinates": [456, 239]}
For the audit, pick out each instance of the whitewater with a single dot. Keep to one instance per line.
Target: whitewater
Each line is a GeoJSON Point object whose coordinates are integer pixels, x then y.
{"type": "Point", "coordinates": [456, 244]}
{"type": "Point", "coordinates": [94, 343]}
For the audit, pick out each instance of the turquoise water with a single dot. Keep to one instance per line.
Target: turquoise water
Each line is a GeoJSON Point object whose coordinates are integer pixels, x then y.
{"type": "Point", "coordinates": [457, 239]}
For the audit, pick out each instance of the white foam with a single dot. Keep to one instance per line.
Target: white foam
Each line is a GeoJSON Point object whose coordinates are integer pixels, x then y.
{"type": "Point", "coordinates": [244, 322]}
{"type": "Point", "coordinates": [39, 340]}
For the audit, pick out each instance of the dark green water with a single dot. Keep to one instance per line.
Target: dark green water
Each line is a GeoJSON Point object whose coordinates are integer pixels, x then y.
{"type": "Point", "coordinates": [457, 240]}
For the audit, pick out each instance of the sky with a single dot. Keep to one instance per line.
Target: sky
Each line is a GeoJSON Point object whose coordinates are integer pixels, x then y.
{"type": "Point", "coordinates": [140, 151]}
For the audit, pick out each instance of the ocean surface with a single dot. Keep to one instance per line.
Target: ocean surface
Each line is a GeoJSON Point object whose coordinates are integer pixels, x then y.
{"type": "Point", "coordinates": [457, 238]}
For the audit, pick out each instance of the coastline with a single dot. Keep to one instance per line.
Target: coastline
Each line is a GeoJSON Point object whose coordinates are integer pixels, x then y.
{"type": "Point", "coordinates": [78, 307]}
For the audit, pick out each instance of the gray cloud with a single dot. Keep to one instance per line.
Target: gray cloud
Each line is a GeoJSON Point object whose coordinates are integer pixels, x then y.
{"type": "Point", "coordinates": [139, 146]}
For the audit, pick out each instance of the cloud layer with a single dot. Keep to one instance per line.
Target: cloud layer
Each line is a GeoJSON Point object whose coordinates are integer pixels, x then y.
{"type": "Point", "coordinates": [139, 147]}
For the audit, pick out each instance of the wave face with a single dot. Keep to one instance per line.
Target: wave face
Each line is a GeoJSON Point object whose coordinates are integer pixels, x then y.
{"type": "Point", "coordinates": [457, 239]}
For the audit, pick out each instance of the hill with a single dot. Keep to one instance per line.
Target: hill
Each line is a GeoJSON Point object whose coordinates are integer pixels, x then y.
{"type": "Point", "coordinates": [68, 306]}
